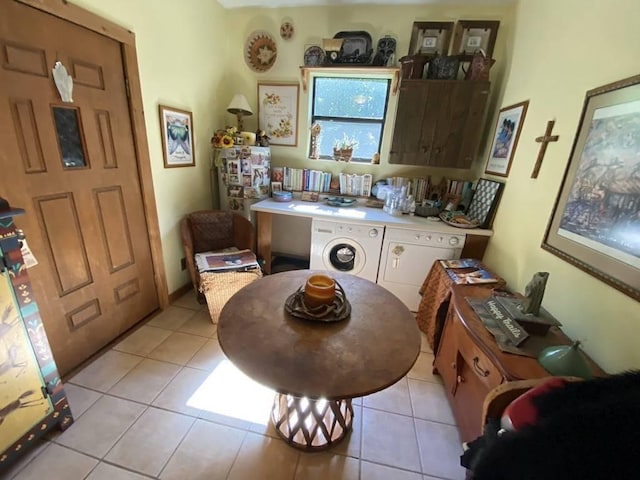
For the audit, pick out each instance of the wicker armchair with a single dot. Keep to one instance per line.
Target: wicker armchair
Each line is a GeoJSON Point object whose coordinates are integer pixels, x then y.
{"type": "Point", "coordinates": [211, 230]}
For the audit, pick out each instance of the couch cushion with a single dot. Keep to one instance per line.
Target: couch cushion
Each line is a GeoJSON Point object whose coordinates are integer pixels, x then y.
{"type": "Point", "coordinates": [211, 230]}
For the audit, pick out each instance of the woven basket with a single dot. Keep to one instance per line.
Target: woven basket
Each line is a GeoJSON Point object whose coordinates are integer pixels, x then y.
{"type": "Point", "coordinates": [218, 288]}
{"type": "Point", "coordinates": [427, 211]}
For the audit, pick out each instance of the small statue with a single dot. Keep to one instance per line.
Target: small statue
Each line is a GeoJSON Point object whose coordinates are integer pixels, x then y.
{"type": "Point", "coordinates": [534, 291]}
{"type": "Point", "coordinates": [262, 140]}
{"type": "Point", "coordinates": [315, 132]}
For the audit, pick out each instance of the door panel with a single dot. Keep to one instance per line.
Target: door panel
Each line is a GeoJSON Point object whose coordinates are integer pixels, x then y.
{"type": "Point", "coordinates": [85, 221]}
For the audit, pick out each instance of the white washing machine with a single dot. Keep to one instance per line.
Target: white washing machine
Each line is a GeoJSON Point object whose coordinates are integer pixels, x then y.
{"type": "Point", "coordinates": [407, 257]}
{"type": "Point", "coordinates": [346, 247]}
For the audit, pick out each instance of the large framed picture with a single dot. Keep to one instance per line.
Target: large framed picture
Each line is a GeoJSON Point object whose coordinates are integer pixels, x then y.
{"type": "Point", "coordinates": [278, 112]}
{"type": "Point", "coordinates": [505, 139]}
{"type": "Point", "coordinates": [595, 223]}
{"type": "Point", "coordinates": [430, 38]}
{"type": "Point", "coordinates": [176, 127]}
{"type": "Point", "coordinates": [473, 36]}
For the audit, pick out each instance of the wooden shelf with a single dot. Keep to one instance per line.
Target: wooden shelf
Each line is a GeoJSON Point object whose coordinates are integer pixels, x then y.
{"type": "Point", "coordinates": [380, 71]}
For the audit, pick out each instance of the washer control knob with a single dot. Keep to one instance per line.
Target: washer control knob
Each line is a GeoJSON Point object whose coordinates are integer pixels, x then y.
{"type": "Point", "coordinates": [373, 233]}
{"type": "Point", "coordinates": [417, 236]}
{"type": "Point", "coordinates": [453, 241]}
{"type": "Point", "coordinates": [427, 238]}
{"type": "Point", "coordinates": [440, 239]}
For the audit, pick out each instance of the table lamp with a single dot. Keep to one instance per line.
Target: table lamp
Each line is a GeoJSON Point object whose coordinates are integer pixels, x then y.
{"type": "Point", "coordinates": [239, 107]}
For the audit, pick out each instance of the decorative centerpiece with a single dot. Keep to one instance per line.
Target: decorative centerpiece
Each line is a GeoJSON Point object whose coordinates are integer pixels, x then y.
{"type": "Point", "coordinates": [322, 299]}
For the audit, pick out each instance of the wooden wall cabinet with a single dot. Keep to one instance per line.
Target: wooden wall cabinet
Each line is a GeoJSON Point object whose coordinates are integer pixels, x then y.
{"type": "Point", "coordinates": [439, 122]}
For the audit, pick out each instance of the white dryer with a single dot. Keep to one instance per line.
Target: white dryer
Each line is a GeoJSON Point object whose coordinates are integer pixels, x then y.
{"type": "Point", "coordinates": [346, 247]}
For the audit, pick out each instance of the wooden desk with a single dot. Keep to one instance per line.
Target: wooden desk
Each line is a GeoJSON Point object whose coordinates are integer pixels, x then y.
{"type": "Point", "coordinates": [323, 364]}
{"type": "Point", "coordinates": [471, 363]}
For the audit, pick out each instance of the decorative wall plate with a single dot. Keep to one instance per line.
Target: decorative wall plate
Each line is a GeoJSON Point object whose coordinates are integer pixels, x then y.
{"type": "Point", "coordinates": [260, 51]}
{"type": "Point", "coordinates": [314, 56]}
{"type": "Point", "coordinates": [286, 30]}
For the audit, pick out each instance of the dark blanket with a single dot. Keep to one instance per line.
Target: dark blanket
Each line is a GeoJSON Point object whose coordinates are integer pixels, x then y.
{"type": "Point", "coordinates": [587, 430]}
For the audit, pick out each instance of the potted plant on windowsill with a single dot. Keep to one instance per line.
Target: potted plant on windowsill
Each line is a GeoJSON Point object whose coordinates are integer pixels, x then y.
{"type": "Point", "coordinates": [343, 149]}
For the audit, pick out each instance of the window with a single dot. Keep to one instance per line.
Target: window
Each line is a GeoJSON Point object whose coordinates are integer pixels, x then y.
{"type": "Point", "coordinates": [351, 110]}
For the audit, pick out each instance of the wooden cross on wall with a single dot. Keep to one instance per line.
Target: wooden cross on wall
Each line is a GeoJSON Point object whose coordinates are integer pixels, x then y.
{"type": "Point", "coordinates": [544, 140]}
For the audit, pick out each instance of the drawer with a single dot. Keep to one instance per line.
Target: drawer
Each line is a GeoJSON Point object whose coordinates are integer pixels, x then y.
{"type": "Point", "coordinates": [476, 360]}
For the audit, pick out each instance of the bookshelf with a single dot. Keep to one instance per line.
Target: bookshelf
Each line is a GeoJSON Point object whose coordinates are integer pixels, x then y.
{"type": "Point", "coordinates": [354, 185]}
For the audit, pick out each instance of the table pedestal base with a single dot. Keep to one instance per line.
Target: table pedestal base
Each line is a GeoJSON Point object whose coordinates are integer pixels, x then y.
{"type": "Point", "coordinates": [311, 424]}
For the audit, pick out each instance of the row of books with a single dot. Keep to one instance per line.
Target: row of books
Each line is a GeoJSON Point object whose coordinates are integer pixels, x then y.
{"type": "Point", "coordinates": [356, 185]}
{"type": "Point", "coordinates": [299, 179]}
{"type": "Point", "coordinates": [421, 188]}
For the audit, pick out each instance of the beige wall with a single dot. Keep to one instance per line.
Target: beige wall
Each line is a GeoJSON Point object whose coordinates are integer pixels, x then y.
{"type": "Point", "coordinates": [181, 52]}
{"type": "Point", "coordinates": [558, 55]}
{"type": "Point", "coordinates": [192, 59]}
{"type": "Point", "coordinates": [311, 26]}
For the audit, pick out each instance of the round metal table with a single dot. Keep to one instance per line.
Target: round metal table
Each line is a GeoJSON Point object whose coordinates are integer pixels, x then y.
{"type": "Point", "coordinates": [318, 367]}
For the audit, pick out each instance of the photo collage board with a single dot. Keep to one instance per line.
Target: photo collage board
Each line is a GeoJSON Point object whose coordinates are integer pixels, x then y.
{"type": "Point", "coordinates": [245, 173]}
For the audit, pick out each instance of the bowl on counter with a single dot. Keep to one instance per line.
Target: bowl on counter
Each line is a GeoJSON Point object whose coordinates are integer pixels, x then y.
{"type": "Point", "coordinates": [282, 196]}
{"type": "Point", "coordinates": [341, 201]}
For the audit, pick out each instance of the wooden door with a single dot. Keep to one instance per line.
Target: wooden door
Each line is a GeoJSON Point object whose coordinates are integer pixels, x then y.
{"type": "Point", "coordinates": [72, 166]}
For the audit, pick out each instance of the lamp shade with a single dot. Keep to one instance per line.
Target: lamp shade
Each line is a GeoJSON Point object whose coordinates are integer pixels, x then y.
{"type": "Point", "coordinates": [239, 105]}
{"type": "Point", "coordinates": [565, 360]}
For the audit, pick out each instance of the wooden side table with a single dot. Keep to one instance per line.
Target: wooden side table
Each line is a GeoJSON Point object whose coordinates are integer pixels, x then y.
{"type": "Point", "coordinates": [436, 293]}
{"type": "Point", "coordinates": [471, 363]}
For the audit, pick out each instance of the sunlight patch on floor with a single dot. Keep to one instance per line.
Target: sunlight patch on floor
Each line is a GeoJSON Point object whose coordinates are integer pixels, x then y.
{"type": "Point", "coordinates": [228, 391]}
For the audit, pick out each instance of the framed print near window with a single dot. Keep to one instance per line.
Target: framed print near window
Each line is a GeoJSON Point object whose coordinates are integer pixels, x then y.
{"type": "Point", "coordinates": [595, 223]}
{"type": "Point", "coordinates": [484, 202]}
{"type": "Point", "coordinates": [472, 36]}
{"type": "Point", "coordinates": [278, 112]}
{"type": "Point", "coordinates": [430, 38]}
{"type": "Point", "coordinates": [505, 139]}
{"type": "Point", "coordinates": [176, 127]}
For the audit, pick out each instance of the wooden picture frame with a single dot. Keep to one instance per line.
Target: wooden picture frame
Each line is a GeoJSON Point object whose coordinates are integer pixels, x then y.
{"type": "Point", "coordinates": [596, 215]}
{"type": "Point", "coordinates": [505, 139]}
{"type": "Point", "coordinates": [473, 36]}
{"type": "Point", "coordinates": [309, 196]}
{"type": "Point", "coordinates": [176, 127]}
{"type": "Point", "coordinates": [430, 38]}
{"type": "Point", "coordinates": [278, 112]}
{"type": "Point", "coordinates": [276, 187]}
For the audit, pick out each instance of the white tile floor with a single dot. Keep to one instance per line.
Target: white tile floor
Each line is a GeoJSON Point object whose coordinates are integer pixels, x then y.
{"type": "Point", "coordinates": [165, 403]}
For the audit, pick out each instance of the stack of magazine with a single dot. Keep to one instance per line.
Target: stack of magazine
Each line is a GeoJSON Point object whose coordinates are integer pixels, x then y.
{"type": "Point", "coordinates": [228, 260]}
{"type": "Point", "coordinates": [467, 271]}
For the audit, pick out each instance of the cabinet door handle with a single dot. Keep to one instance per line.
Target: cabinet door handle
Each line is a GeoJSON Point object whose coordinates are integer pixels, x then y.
{"type": "Point", "coordinates": [482, 372]}
{"type": "Point", "coordinates": [459, 379]}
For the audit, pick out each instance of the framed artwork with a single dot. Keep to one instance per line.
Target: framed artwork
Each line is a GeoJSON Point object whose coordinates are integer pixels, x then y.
{"type": "Point", "coordinates": [505, 139]}
{"type": "Point", "coordinates": [430, 38]}
{"type": "Point", "coordinates": [276, 186]}
{"type": "Point", "coordinates": [595, 220]}
{"type": "Point", "coordinates": [308, 196]}
{"type": "Point", "coordinates": [176, 127]}
{"type": "Point", "coordinates": [472, 36]}
{"type": "Point", "coordinates": [278, 112]}
{"type": "Point", "coordinates": [484, 202]}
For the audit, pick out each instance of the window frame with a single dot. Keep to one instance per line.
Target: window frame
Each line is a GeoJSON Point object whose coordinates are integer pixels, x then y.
{"type": "Point", "coordinates": [388, 77]}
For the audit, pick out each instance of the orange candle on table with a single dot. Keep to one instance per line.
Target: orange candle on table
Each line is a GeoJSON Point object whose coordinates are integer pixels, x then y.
{"type": "Point", "coordinates": [319, 290]}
